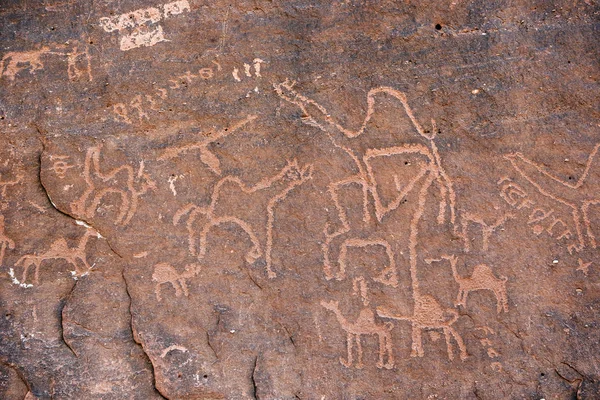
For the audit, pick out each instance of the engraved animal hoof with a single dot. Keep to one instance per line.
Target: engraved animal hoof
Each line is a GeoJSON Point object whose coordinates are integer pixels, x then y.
{"type": "Point", "coordinates": [251, 257]}
{"type": "Point", "coordinates": [386, 365]}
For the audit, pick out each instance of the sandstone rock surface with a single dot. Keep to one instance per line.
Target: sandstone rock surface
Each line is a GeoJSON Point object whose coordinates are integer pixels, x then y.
{"type": "Point", "coordinates": [300, 199]}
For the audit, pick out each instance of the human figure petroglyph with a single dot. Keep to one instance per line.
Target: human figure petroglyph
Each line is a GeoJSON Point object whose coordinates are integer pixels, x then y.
{"type": "Point", "coordinates": [277, 188]}
{"type": "Point", "coordinates": [429, 314]}
{"type": "Point", "coordinates": [165, 273]}
{"type": "Point", "coordinates": [206, 156]}
{"type": "Point", "coordinates": [5, 241]}
{"type": "Point", "coordinates": [121, 181]}
{"type": "Point", "coordinates": [583, 266]}
{"type": "Point", "coordinates": [486, 230]}
{"type": "Point", "coordinates": [365, 324]}
{"type": "Point", "coordinates": [482, 278]}
{"type": "Point", "coordinates": [14, 62]}
{"type": "Point", "coordinates": [578, 196]}
{"type": "Point", "coordinates": [60, 249]}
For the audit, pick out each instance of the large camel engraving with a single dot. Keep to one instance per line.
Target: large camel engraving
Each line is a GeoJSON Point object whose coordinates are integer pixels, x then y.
{"type": "Point", "coordinates": [364, 325]}
{"type": "Point", "coordinates": [60, 249]}
{"type": "Point", "coordinates": [276, 188]}
{"type": "Point", "coordinates": [316, 115]}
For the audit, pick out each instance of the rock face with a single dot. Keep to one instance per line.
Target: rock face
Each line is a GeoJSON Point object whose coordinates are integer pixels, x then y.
{"type": "Point", "coordinates": [312, 200]}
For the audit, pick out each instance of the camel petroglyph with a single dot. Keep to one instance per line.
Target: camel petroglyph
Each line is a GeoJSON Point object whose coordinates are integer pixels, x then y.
{"type": "Point", "coordinates": [165, 273]}
{"type": "Point", "coordinates": [121, 181]}
{"type": "Point", "coordinates": [277, 188]}
{"type": "Point", "coordinates": [365, 324]}
{"type": "Point", "coordinates": [60, 249]}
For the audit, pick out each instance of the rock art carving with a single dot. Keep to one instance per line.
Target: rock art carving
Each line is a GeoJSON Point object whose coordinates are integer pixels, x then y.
{"type": "Point", "coordinates": [5, 184]}
{"type": "Point", "coordinates": [15, 62]}
{"type": "Point", "coordinates": [140, 27]}
{"type": "Point", "coordinates": [486, 230]}
{"type": "Point", "coordinates": [539, 216]}
{"type": "Point", "coordinates": [482, 278]}
{"type": "Point", "coordinates": [206, 156]}
{"type": "Point", "coordinates": [429, 314]}
{"type": "Point", "coordinates": [578, 196]}
{"type": "Point", "coordinates": [165, 273]}
{"type": "Point", "coordinates": [277, 188]}
{"type": "Point", "coordinates": [60, 249]}
{"type": "Point", "coordinates": [317, 116]}
{"type": "Point", "coordinates": [60, 165]}
{"type": "Point", "coordinates": [365, 324]}
{"type": "Point", "coordinates": [121, 181]}
{"type": "Point", "coordinates": [249, 70]}
{"type": "Point", "coordinates": [5, 241]}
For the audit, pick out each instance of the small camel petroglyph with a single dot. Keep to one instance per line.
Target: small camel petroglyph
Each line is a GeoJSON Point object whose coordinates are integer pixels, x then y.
{"type": "Point", "coordinates": [165, 273]}
{"type": "Point", "coordinates": [429, 314]}
{"type": "Point", "coordinates": [60, 249]}
{"type": "Point", "coordinates": [579, 196]}
{"type": "Point", "coordinates": [121, 181]}
{"type": "Point", "coordinates": [5, 241]}
{"type": "Point", "coordinates": [278, 187]}
{"type": "Point", "coordinates": [482, 278]}
{"type": "Point", "coordinates": [364, 325]}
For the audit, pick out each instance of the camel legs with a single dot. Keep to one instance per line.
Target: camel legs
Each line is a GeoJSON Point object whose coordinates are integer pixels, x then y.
{"type": "Point", "coordinates": [359, 351]}
{"type": "Point", "coordinates": [385, 346]}
{"type": "Point", "coordinates": [417, 343]}
{"type": "Point", "coordinates": [348, 362]}
{"type": "Point", "coordinates": [183, 286]}
{"type": "Point", "coordinates": [586, 220]}
{"type": "Point", "coordinates": [461, 345]}
{"type": "Point", "coordinates": [157, 291]}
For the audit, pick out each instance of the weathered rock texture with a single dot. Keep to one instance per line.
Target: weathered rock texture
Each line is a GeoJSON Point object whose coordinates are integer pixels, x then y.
{"type": "Point", "coordinates": [300, 199]}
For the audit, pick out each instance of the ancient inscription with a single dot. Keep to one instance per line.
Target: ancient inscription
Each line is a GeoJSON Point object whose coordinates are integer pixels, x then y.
{"type": "Point", "coordinates": [140, 28]}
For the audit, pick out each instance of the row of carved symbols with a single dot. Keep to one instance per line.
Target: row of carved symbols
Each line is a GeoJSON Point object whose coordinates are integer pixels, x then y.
{"type": "Point", "coordinates": [141, 105]}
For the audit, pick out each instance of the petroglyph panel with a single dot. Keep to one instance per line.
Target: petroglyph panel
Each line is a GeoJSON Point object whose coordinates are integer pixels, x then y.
{"type": "Point", "coordinates": [299, 200]}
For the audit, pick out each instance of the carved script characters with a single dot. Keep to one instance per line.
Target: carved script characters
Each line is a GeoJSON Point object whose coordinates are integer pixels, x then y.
{"type": "Point", "coordinates": [121, 181]}
{"type": "Point", "coordinates": [578, 196]}
{"type": "Point", "coordinates": [140, 27]}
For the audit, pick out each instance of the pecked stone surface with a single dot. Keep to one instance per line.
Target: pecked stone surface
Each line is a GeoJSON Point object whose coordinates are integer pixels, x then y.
{"type": "Point", "coordinates": [314, 200]}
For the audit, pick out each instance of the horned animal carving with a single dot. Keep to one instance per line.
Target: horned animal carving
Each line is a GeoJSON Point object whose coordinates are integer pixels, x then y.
{"type": "Point", "coordinates": [59, 249]}
{"type": "Point", "coordinates": [121, 181]}
{"type": "Point", "coordinates": [364, 325]}
{"type": "Point", "coordinates": [165, 273]}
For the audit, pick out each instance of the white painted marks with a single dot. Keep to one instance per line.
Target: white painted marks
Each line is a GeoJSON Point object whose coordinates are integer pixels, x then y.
{"type": "Point", "coordinates": [140, 28]}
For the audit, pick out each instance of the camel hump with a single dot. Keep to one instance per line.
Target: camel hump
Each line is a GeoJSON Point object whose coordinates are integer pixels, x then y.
{"type": "Point", "coordinates": [482, 271]}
